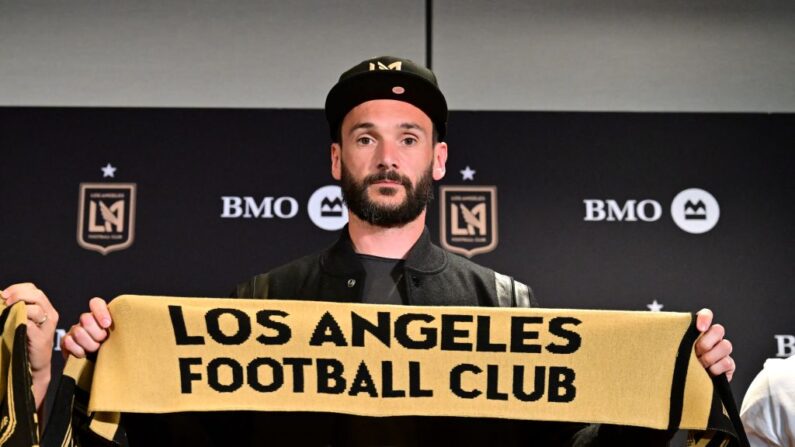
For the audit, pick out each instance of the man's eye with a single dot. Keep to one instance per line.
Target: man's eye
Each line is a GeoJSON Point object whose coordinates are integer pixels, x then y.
{"type": "Point", "coordinates": [364, 140]}
{"type": "Point", "coordinates": [409, 141]}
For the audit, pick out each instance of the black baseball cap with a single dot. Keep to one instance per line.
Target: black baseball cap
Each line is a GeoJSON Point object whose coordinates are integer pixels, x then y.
{"type": "Point", "coordinates": [387, 77]}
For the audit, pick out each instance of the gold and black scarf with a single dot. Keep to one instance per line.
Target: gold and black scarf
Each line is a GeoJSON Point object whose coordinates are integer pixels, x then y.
{"type": "Point", "coordinates": [203, 354]}
{"type": "Point", "coordinates": [18, 419]}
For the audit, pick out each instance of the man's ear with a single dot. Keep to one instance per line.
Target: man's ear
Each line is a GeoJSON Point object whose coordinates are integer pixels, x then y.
{"type": "Point", "coordinates": [336, 162]}
{"type": "Point", "coordinates": [439, 160]}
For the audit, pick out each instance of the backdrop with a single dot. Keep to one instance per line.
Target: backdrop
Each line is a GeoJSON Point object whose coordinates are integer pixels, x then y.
{"type": "Point", "coordinates": [644, 211]}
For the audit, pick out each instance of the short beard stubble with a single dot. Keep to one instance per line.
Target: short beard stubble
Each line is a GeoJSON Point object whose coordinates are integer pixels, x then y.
{"type": "Point", "coordinates": [359, 203]}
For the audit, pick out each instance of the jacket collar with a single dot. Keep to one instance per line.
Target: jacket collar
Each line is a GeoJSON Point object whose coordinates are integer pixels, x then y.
{"type": "Point", "coordinates": [423, 257]}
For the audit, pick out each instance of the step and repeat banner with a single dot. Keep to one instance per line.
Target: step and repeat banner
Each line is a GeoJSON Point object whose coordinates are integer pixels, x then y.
{"type": "Point", "coordinates": [636, 211]}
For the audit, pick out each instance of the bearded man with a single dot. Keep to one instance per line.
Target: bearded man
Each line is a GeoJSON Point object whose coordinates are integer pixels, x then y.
{"type": "Point", "coordinates": [388, 120]}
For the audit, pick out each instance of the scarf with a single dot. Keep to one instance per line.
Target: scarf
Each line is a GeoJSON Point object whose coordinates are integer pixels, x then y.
{"type": "Point", "coordinates": [206, 354]}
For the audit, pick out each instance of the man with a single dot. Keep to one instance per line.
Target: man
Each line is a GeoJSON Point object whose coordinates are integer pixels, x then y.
{"type": "Point", "coordinates": [388, 120]}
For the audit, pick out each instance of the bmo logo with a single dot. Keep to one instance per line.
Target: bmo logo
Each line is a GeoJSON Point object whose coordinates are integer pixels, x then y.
{"type": "Point", "coordinates": [630, 211]}
{"type": "Point", "coordinates": [693, 210]}
{"type": "Point", "coordinates": [247, 207]}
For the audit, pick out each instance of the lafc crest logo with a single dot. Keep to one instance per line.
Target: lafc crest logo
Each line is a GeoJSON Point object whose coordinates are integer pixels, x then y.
{"type": "Point", "coordinates": [468, 219]}
{"type": "Point", "coordinates": [106, 218]}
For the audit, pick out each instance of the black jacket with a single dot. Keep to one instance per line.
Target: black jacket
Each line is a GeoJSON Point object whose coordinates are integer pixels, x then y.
{"type": "Point", "coordinates": [433, 277]}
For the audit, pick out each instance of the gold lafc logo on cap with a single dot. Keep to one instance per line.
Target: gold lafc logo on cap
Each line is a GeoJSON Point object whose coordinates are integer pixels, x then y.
{"type": "Point", "coordinates": [393, 66]}
{"type": "Point", "coordinates": [106, 219]}
{"type": "Point", "coordinates": [468, 219]}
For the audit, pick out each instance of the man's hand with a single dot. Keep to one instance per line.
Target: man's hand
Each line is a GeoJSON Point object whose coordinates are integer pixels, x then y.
{"type": "Point", "coordinates": [41, 324]}
{"type": "Point", "coordinates": [712, 350]}
{"type": "Point", "coordinates": [86, 336]}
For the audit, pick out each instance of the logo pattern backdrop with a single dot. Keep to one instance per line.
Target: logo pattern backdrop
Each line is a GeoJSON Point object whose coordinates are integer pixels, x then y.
{"type": "Point", "coordinates": [228, 196]}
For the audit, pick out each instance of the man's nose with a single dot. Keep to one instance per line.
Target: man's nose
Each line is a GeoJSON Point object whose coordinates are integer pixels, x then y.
{"type": "Point", "coordinates": [387, 155]}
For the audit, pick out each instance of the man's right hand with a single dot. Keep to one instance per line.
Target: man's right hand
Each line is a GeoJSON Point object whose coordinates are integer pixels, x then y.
{"type": "Point", "coordinates": [86, 336]}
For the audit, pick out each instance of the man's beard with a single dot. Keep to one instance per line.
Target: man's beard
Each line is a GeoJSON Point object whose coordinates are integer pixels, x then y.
{"type": "Point", "coordinates": [388, 216]}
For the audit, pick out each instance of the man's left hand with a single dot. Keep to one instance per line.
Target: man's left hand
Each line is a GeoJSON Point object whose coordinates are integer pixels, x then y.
{"type": "Point", "coordinates": [712, 350]}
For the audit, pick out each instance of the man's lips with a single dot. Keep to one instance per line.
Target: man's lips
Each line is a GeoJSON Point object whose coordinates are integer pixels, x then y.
{"type": "Point", "coordinates": [386, 182]}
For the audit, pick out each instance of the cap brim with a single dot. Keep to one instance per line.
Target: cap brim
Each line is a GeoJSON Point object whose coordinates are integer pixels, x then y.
{"type": "Point", "coordinates": [382, 84]}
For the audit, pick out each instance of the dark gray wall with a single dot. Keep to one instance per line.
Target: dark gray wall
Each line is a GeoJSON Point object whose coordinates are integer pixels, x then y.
{"type": "Point", "coordinates": [511, 55]}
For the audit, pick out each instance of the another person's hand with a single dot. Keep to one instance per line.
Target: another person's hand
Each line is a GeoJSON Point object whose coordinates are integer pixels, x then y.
{"type": "Point", "coordinates": [88, 334]}
{"type": "Point", "coordinates": [41, 324]}
{"type": "Point", "coordinates": [712, 350]}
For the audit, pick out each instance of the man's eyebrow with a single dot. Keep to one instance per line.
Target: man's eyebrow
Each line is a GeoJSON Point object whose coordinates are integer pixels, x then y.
{"type": "Point", "coordinates": [412, 126]}
{"type": "Point", "coordinates": [357, 126]}
{"type": "Point", "coordinates": [369, 126]}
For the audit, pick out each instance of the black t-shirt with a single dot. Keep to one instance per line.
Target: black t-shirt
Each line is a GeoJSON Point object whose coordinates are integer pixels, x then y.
{"type": "Point", "coordinates": [383, 283]}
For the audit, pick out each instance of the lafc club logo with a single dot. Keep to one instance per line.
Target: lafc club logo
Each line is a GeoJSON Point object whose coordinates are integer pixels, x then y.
{"type": "Point", "coordinates": [468, 219]}
{"type": "Point", "coordinates": [106, 218]}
